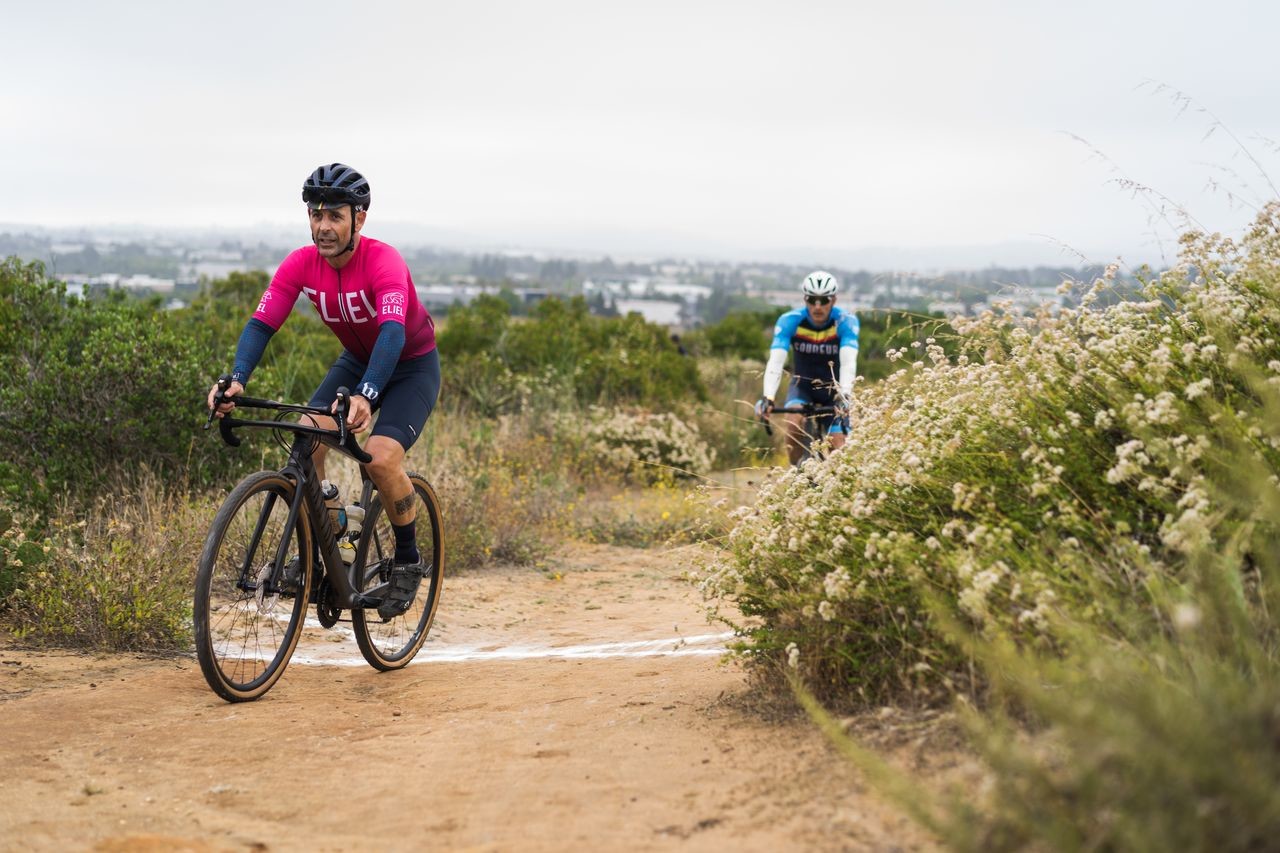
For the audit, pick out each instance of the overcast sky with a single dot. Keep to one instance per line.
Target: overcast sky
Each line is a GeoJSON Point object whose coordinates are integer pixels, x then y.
{"type": "Point", "coordinates": [717, 128]}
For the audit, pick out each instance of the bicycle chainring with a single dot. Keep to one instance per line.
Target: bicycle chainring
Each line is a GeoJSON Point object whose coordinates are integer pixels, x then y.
{"type": "Point", "coordinates": [327, 609]}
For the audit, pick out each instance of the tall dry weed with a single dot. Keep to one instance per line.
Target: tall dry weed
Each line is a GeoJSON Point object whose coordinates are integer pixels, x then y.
{"type": "Point", "coordinates": [118, 575]}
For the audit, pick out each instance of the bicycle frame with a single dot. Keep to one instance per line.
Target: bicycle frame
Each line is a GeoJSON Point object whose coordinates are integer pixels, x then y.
{"type": "Point", "coordinates": [301, 469]}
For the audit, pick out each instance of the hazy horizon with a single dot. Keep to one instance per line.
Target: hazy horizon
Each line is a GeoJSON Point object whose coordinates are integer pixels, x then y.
{"type": "Point", "coordinates": [1010, 254]}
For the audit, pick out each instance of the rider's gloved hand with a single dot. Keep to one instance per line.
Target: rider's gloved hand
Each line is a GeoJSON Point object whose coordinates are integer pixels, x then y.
{"type": "Point", "coordinates": [359, 413]}
{"type": "Point", "coordinates": [233, 389]}
{"type": "Point", "coordinates": [764, 406]}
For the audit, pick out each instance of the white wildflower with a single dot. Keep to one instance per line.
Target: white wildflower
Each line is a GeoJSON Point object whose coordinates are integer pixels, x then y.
{"type": "Point", "coordinates": [1130, 457]}
{"type": "Point", "coordinates": [836, 583]}
{"type": "Point", "coordinates": [1185, 616]}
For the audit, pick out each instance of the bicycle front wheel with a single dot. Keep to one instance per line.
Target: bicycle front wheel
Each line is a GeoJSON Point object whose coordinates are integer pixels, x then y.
{"type": "Point", "coordinates": [251, 588]}
{"type": "Point", "coordinates": [391, 641]}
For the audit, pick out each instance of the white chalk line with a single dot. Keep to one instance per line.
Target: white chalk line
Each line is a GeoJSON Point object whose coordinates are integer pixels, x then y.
{"type": "Point", "coordinates": [435, 652]}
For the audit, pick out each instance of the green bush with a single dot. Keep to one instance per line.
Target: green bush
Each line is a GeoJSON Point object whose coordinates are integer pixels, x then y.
{"type": "Point", "coordinates": [495, 363]}
{"type": "Point", "coordinates": [740, 335]}
{"type": "Point", "coordinates": [91, 388]}
{"type": "Point", "coordinates": [298, 356]}
{"type": "Point", "coordinates": [1049, 467]}
{"type": "Point", "coordinates": [1074, 525]}
{"type": "Point", "coordinates": [1128, 738]}
{"type": "Point", "coordinates": [1164, 741]}
{"type": "Point", "coordinates": [19, 553]}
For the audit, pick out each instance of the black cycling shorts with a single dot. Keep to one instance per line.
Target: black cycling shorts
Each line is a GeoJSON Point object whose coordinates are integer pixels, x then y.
{"type": "Point", "coordinates": [404, 404]}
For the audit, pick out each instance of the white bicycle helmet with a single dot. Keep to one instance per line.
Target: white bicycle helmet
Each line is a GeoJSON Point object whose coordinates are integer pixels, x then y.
{"type": "Point", "coordinates": [820, 283]}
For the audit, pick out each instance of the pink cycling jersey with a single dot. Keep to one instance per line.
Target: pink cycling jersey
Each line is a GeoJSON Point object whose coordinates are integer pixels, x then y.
{"type": "Point", "coordinates": [374, 287]}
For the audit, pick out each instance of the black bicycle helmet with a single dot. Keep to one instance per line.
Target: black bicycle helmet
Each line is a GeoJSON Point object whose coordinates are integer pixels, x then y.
{"type": "Point", "coordinates": [335, 185]}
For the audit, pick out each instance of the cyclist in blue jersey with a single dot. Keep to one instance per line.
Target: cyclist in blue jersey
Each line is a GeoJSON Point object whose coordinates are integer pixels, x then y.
{"type": "Point", "coordinates": [825, 341]}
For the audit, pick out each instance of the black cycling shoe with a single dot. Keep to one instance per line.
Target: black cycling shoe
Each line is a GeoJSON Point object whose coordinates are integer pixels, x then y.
{"type": "Point", "coordinates": [401, 588]}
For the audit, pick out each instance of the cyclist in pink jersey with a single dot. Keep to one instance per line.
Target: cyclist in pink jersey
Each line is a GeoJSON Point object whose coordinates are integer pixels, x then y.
{"type": "Point", "coordinates": [362, 290]}
{"type": "Point", "coordinates": [371, 287]}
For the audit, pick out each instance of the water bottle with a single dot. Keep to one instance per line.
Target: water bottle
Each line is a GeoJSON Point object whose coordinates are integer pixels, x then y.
{"type": "Point", "coordinates": [355, 520]}
{"type": "Point", "coordinates": [337, 512]}
{"type": "Point", "coordinates": [347, 551]}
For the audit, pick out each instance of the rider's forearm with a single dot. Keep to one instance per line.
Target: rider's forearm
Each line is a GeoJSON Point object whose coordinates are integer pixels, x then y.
{"type": "Point", "coordinates": [848, 369]}
{"type": "Point", "coordinates": [773, 372]}
{"type": "Point", "coordinates": [249, 350]}
{"type": "Point", "coordinates": [383, 360]}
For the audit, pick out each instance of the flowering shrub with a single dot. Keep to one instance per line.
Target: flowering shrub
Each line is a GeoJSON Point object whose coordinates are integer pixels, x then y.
{"type": "Point", "coordinates": [1058, 464]}
{"type": "Point", "coordinates": [644, 447]}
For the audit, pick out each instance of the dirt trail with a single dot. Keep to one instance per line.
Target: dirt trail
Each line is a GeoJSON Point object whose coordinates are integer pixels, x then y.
{"type": "Point", "coordinates": [525, 724]}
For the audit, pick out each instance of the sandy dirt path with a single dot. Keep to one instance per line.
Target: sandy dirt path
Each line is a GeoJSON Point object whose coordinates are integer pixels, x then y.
{"type": "Point", "coordinates": [582, 708]}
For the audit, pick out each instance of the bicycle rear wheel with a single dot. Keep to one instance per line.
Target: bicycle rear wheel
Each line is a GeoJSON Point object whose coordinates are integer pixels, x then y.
{"type": "Point", "coordinates": [391, 643]}
{"type": "Point", "coordinates": [251, 588]}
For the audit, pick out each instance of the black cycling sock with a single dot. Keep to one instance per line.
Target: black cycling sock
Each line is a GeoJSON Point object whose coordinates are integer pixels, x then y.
{"type": "Point", "coordinates": [406, 542]}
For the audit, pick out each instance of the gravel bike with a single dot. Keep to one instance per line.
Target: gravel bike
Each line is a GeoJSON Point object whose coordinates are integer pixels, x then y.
{"type": "Point", "coordinates": [274, 547]}
{"type": "Point", "coordinates": [817, 420]}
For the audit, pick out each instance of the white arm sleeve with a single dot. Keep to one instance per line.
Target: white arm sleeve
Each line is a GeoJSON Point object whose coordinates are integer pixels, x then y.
{"type": "Point", "coordinates": [773, 371]}
{"type": "Point", "coordinates": [848, 370]}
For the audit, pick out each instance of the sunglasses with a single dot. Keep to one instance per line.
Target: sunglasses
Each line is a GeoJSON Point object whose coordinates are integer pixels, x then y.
{"type": "Point", "coordinates": [817, 300]}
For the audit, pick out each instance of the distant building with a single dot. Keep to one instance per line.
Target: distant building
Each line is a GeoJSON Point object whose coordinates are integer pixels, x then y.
{"type": "Point", "coordinates": [683, 292]}
{"type": "Point", "coordinates": [148, 283]}
{"type": "Point", "coordinates": [211, 269]}
{"type": "Point", "coordinates": [78, 284]}
{"type": "Point", "coordinates": [658, 311]}
{"type": "Point", "coordinates": [439, 297]}
{"type": "Point", "coordinates": [435, 297]}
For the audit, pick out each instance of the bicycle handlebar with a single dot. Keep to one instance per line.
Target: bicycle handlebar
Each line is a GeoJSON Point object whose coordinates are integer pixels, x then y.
{"type": "Point", "coordinates": [807, 409]}
{"type": "Point", "coordinates": [341, 438]}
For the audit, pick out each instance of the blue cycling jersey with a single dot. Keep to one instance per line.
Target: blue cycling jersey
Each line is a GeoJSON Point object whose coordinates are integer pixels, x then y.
{"type": "Point", "coordinates": [816, 350]}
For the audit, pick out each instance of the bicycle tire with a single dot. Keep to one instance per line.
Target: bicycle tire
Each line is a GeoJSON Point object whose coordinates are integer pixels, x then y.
{"type": "Point", "coordinates": [241, 647]}
{"type": "Point", "coordinates": [391, 643]}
